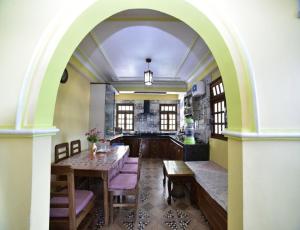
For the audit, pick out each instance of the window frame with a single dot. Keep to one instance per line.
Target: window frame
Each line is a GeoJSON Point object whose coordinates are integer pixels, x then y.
{"type": "Point", "coordinates": [168, 113]}
{"type": "Point", "coordinates": [216, 99]}
{"type": "Point", "coordinates": [125, 113]}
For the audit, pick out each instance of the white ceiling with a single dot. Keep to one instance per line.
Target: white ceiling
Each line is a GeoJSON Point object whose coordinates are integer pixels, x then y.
{"type": "Point", "coordinates": [116, 49]}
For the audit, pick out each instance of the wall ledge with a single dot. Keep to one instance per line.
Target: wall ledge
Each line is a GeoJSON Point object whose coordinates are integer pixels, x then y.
{"type": "Point", "coordinates": [29, 132]}
{"type": "Point", "coordinates": [263, 135]}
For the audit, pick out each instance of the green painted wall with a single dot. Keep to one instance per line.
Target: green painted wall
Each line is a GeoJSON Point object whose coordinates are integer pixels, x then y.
{"type": "Point", "coordinates": [72, 110]}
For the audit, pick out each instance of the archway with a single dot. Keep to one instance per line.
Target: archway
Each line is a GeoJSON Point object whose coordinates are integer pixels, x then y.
{"type": "Point", "coordinates": [39, 104]}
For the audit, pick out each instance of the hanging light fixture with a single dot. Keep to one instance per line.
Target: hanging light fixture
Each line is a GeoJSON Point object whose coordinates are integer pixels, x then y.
{"type": "Point", "coordinates": [148, 75]}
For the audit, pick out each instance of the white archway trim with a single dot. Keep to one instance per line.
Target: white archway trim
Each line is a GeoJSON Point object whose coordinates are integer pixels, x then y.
{"type": "Point", "coordinates": [262, 135]}
{"type": "Point", "coordinates": [21, 132]}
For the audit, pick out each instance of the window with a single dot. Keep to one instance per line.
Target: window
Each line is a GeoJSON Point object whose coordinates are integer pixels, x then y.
{"type": "Point", "coordinates": [218, 108]}
{"type": "Point", "coordinates": [168, 117]}
{"type": "Point", "coordinates": [125, 116]}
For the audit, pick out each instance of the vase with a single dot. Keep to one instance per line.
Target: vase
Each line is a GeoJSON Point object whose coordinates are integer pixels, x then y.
{"type": "Point", "coordinates": [93, 148]}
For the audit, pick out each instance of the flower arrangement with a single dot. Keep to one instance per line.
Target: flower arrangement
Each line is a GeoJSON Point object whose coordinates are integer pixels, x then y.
{"type": "Point", "coordinates": [93, 135]}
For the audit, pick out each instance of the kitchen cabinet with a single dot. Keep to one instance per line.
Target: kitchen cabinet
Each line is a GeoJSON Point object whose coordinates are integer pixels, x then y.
{"type": "Point", "coordinates": [134, 146]}
{"type": "Point", "coordinates": [153, 147]}
{"type": "Point", "coordinates": [175, 151]}
{"type": "Point", "coordinates": [132, 142]}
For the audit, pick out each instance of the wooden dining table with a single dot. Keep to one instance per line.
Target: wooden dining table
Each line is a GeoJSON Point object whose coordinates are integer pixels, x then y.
{"type": "Point", "coordinates": [102, 165]}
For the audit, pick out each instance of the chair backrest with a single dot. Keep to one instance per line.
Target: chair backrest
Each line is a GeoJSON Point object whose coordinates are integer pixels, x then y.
{"type": "Point", "coordinates": [64, 188]}
{"type": "Point", "coordinates": [61, 151]}
{"type": "Point", "coordinates": [75, 147]}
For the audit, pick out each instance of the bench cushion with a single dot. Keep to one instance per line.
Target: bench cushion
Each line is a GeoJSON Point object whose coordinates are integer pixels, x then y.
{"type": "Point", "coordinates": [129, 168]}
{"type": "Point", "coordinates": [82, 198]}
{"type": "Point", "coordinates": [213, 178]}
{"type": "Point", "coordinates": [123, 182]}
{"type": "Point", "coordinates": [132, 160]}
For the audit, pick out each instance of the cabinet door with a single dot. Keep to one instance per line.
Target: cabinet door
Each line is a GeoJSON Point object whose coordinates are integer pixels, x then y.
{"type": "Point", "coordinates": [154, 147]}
{"type": "Point", "coordinates": [179, 155]}
{"type": "Point", "coordinates": [134, 145]}
{"type": "Point", "coordinates": [163, 148]}
{"type": "Point", "coordinates": [144, 148]}
{"type": "Point", "coordinates": [176, 151]}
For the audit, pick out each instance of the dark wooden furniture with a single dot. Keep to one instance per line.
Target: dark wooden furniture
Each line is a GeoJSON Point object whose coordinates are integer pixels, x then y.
{"type": "Point", "coordinates": [163, 147]}
{"type": "Point", "coordinates": [132, 142]}
{"type": "Point", "coordinates": [168, 117]}
{"type": "Point", "coordinates": [174, 151]}
{"type": "Point", "coordinates": [61, 152]}
{"type": "Point", "coordinates": [134, 145]}
{"type": "Point", "coordinates": [75, 147]}
{"type": "Point", "coordinates": [101, 166]}
{"type": "Point", "coordinates": [64, 212]}
{"type": "Point", "coordinates": [125, 116]}
{"type": "Point", "coordinates": [123, 185]}
{"type": "Point", "coordinates": [178, 173]}
{"type": "Point", "coordinates": [218, 109]}
{"type": "Point", "coordinates": [197, 152]}
{"type": "Point", "coordinates": [213, 212]}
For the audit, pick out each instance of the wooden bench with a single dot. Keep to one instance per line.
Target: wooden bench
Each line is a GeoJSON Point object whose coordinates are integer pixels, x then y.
{"type": "Point", "coordinates": [209, 191]}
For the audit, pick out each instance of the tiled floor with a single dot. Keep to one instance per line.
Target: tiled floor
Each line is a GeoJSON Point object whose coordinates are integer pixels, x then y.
{"type": "Point", "coordinates": [153, 210]}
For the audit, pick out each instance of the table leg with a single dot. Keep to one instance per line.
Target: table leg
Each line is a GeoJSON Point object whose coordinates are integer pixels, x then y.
{"type": "Point", "coordinates": [169, 191]}
{"type": "Point", "coordinates": [164, 180]}
{"type": "Point", "coordinates": [106, 202]}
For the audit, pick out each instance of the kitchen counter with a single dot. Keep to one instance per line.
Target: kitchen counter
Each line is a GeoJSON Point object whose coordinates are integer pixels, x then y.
{"type": "Point", "coordinates": [172, 136]}
{"type": "Point", "coordinates": [161, 145]}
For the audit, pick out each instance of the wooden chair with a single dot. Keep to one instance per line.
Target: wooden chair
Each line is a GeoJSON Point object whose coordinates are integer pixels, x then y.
{"type": "Point", "coordinates": [65, 213]}
{"type": "Point", "coordinates": [75, 147]}
{"type": "Point", "coordinates": [123, 185]}
{"type": "Point", "coordinates": [61, 151]}
{"type": "Point", "coordinates": [133, 165]}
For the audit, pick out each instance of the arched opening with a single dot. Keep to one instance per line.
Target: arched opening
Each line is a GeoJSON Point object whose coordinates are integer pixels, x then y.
{"type": "Point", "coordinates": [40, 104]}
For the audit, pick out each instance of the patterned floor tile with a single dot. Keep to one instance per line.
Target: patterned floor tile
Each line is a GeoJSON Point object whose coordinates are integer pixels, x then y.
{"type": "Point", "coordinates": [153, 211]}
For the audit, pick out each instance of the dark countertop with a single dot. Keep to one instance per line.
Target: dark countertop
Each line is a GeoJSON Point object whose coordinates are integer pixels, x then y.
{"type": "Point", "coordinates": [172, 136]}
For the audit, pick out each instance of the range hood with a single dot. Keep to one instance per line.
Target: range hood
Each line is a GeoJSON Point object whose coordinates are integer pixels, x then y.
{"type": "Point", "coordinates": [146, 109]}
{"type": "Point", "coordinates": [146, 106]}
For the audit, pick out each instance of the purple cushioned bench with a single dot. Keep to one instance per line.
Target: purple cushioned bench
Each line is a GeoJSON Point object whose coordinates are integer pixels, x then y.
{"type": "Point", "coordinates": [82, 198]}
{"type": "Point", "coordinates": [123, 182]}
{"type": "Point", "coordinates": [132, 160]}
{"type": "Point", "coordinates": [130, 168]}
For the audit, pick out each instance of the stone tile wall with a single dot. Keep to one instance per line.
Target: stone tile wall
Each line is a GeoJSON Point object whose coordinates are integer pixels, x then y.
{"type": "Point", "coordinates": [148, 122]}
{"type": "Point", "coordinates": [201, 113]}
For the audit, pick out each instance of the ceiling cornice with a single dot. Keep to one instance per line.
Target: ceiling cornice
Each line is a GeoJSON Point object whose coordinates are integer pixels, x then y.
{"type": "Point", "coordinates": [155, 78]}
{"type": "Point", "coordinates": [203, 63]}
{"type": "Point", "coordinates": [187, 54]}
{"type": "Point", "coordinates": [106, 59]}
{"type": "Point", "coordinates": [89, 65]}
{"type": "Point", "coordinates": [143, 19]}
{"type": "Point", "coordinates": [80, 72]}
{"type": "Point", "coordinates": [179, 86]}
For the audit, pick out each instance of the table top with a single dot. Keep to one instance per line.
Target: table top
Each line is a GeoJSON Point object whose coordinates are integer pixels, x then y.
{"type": "Point", "coordinates": [177, 168]}
{"type": "Point", "coordinates": [99, 162]}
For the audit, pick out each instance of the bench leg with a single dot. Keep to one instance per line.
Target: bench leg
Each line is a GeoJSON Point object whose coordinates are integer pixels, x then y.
{"type": "Point", "coordinates": [169, 191]}
{"type": "Point", "coordinates": [164, 180]}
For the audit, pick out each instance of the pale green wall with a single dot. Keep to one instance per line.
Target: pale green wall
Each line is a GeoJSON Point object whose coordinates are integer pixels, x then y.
{"type": "Point", "coordinates": [235, 186]}
{"type": "Point", "coordinates": [218, 148]}
{"type": "Point", "coordinates": [271, 185]}
{"type": "Point", "coordinates": [218, 152]}
{"type": "Point", "coordinates": [15, 175]}
{"type": "Point", "coordinates": [72, 110]}
{"type": "Point", "coordinates": [24, 182]}
{"type": "Point", "coordinates": [273, 59]}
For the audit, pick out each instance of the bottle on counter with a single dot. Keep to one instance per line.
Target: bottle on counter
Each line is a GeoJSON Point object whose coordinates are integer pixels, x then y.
{"type": "Point", "coordinates": [189, 138]}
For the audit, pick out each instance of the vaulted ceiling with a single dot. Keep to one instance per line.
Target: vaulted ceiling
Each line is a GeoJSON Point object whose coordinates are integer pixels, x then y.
{"type": "Point", "coordinates": [115, 50]}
